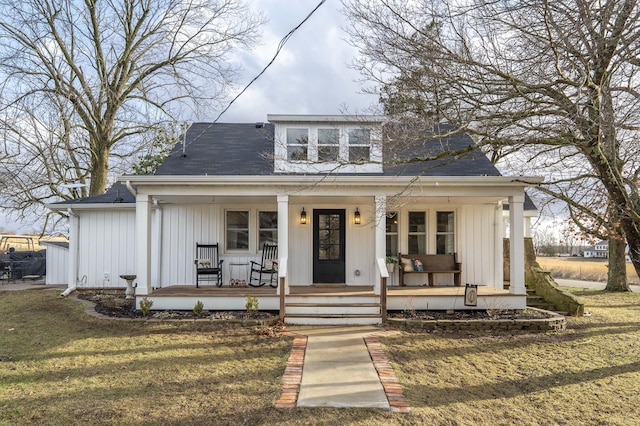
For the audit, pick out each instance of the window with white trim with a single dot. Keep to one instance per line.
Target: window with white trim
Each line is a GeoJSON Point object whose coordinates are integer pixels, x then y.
{"type": "Point", "coordinates": [267, 228]}
{"type": "Point", "coordinates": [445, 233]}
{"type": "Point", "coordinates": [417, 236]}
{"type": "Point", "coordinates": [328, 145]}
{"type": "Point", "coordinates": [237, 230]}
{"type": "Point", "coordinates": [392, 234]}
{"type": "Point", "coordinates": [359, 145]}
{"type": "Point", "coordinates": [297, 144]}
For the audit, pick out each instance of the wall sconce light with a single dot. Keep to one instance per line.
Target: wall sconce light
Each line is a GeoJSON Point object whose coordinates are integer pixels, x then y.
{"type": "Point", "coordinates": [356, 217]}
{"type": "Point", "coordinates": [303, 217]}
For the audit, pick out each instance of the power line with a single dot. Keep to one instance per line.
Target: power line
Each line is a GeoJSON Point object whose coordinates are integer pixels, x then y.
{"type": "Point", "coordinates": [283, 41]}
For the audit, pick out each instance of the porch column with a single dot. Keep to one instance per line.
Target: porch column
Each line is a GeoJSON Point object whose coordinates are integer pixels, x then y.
{"type": "Point", "coordinates": [143, 244]}
{"type": "Point", "coordinates": [283, 237]}
{"type": "Point", "coordinates": [498, 251]}
{"type": "Point", "coordinates": [516, 243]}
{"type": "Point", "coordinates": [380, 235]}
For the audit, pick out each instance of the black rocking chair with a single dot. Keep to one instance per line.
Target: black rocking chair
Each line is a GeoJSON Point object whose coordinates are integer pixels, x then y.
{"type": "Point", "coordinates": [268, 266]}
{"type": "Point", "coordinates": [208, 265]}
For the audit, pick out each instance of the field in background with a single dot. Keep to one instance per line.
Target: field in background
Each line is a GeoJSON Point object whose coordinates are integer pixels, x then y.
{"type": "Point", "coordinates": [20, 244]}
{"type": "Point", "coordinates": [581, 268]}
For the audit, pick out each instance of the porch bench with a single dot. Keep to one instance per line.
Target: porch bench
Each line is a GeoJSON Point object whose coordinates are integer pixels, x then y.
{"type": "Point", "coordinates": [431, 264]}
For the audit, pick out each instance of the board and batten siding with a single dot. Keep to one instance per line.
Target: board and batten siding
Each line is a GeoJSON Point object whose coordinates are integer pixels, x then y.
{"type": "Point", "coordinates": [477, 243]}
{"type": "Point", "coordinates": [107, 247]}
{"type": "Point", "coordinates": [57, 264]}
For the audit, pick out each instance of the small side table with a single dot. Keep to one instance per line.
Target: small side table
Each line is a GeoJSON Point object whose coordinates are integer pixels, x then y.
{"type": "Point", "coordinates": [238, 266]}
{"type": "Point", "coordinates": [129, 279]}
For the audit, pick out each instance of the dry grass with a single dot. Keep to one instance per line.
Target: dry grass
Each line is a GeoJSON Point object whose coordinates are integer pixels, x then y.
{"type": "Point", "coordinates": [580, 268]}
{"type": "Point", "coordinates": [59, 366]}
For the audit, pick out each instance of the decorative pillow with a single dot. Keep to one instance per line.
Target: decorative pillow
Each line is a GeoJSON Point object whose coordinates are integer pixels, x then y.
{"type": "Point", "coordinates": [271, 264]}
{"type": "Point", "coordinates": [204, 263]}
{"type": "Point", "coordinates": [407, 265]}
{"type": "Point", "coordinates": [418, 266]}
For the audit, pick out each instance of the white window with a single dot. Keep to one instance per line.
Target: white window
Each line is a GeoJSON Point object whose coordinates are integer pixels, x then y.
{"type": "Point", "coordinates": [392, 234]}
{"type": "Point", "coordinates": [237, 230]}
{"type": "Point", "coordinates": [445, 233]}
{"type": "Point", "coordinates": [267, 228]}
{"type": "Point", "coordinates": [297, 144]}
{"type": "Point", "coordinates": [417, 237]}
{"type": "Point", "coordinates": [328, 145]}
{"type": "Point", "coordinates": [359, 145]}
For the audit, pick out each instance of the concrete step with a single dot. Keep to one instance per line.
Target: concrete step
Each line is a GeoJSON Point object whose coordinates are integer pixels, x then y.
{"type": "Point", "coordinates": [332, 309]}
{"type": "Point", "coordinates": [345, 319]}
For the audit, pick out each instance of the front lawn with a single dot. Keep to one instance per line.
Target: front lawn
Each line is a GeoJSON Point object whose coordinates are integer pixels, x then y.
{"type": "Point", "coordinates": [60, 366]}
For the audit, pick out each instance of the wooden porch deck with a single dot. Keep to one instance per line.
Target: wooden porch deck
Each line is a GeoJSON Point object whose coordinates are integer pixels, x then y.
{"type": "Point", "coordinates": [409, 291]}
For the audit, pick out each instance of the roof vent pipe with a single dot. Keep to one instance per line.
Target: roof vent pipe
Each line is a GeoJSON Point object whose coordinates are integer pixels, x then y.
{"type": "Point", "coordinates": [259, 125]}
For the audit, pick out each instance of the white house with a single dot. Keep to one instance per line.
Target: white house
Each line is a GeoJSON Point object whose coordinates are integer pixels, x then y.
{"type": "Point", "coordinates": [600, 250]}
{"type": "Point", "coordinates": [336, 193]}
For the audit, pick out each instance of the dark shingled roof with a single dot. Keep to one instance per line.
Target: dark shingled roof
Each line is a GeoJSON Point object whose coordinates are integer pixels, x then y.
{"type": "Point", "coordinates": [222, 149]}
{"type": "Point", "coordinates": [245, 149]}
{"type": "Point", "coordinates": [118, 193]}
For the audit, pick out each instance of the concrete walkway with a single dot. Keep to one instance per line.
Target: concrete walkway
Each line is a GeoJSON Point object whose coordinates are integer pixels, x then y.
{"type": "Point", "coordinates": [590, 284]}
{"type": "Point", "coordinates": [338, 370]}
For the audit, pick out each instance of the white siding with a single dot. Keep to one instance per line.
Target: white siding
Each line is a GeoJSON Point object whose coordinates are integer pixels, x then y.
{"type": "Point", "coordinates": [107, 245]}
{"type": "Point", "coordinates": [476, 237]}
{"type": "Point", "coordinates": [57, 261]}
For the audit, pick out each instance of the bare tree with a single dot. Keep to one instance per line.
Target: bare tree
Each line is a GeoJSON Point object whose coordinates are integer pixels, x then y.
{"type": "Point", "coordinates": [87, 83]}
{"type": "Point", "coordinates": [543, 86]}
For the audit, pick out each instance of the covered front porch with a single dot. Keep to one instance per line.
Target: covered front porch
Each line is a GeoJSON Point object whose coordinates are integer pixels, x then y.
{"type": "Point", "coordinates": [171, 216]}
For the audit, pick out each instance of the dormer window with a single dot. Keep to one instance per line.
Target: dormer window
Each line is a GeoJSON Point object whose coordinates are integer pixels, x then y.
{"type": "Point", "coordinates": [327, 144]}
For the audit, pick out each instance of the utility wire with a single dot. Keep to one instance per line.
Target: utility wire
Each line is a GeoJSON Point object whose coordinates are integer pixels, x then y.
{"type": "Point", "coordinates": [283, 41]}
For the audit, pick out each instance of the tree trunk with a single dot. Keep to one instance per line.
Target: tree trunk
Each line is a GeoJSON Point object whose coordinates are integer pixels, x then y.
{"type": "Point", "coordinates": [617, 277]}
{"type": "Point", "coordinates": [99, 169]}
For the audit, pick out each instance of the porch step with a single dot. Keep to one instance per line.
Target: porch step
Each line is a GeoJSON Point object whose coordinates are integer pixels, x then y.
{"type": "Point", "coordinates": [333, 310]}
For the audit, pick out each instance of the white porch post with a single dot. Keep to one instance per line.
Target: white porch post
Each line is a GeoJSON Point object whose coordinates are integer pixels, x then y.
{"type": "Point", "coordinates": [380, 235]}
{"type": "Point", "coordinates": [283, 235]}
{"type": "Point", "coordinates": [516, 244]}
{"type": "Point", "coordinates": [143, 244]}
{"type": "Point", "coordinates": [498, 267]}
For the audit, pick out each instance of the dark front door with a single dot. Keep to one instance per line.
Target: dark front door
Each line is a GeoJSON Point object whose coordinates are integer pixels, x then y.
{"type": "Point", "coordinates": [328, 246]}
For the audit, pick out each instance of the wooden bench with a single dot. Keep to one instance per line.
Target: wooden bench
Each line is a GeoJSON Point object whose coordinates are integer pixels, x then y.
{"type": "Point", "coordinates": [432, 264]}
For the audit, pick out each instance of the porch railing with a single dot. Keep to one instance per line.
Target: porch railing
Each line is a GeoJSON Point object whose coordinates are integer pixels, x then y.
{"type": "Point", "coordinates": [382, 291]}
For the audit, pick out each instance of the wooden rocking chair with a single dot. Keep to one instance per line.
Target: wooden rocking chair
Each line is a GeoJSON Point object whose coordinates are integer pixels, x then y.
{"type": "Point", "coordinates": [268, 266]}
{"type": "Point", "coordinates": [208, 264]}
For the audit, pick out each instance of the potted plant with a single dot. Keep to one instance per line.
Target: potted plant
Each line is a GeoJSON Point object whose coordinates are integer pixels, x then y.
{"type": "Point", "coordinates": [391, 264]}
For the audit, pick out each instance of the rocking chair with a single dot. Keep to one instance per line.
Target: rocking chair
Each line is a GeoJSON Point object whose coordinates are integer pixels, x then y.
{"type": "Point", "coordinates": [208, 265]}
{"type": "Point", "coordinates": [268, 266]}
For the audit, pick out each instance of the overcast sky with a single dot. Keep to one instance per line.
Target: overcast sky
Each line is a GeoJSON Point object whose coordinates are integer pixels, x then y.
{"type": "Point", "coordinates": [310, 75]}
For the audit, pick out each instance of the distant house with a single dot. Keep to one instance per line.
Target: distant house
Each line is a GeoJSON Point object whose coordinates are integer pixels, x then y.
{"type": "Point", "coordinates": [601, 251]}
{"type": "Point", "coordinates": [336, 200]}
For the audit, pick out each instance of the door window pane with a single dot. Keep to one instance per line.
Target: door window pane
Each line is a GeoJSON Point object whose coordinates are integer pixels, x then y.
{"type": "Point", "coordinates": [329, 236]}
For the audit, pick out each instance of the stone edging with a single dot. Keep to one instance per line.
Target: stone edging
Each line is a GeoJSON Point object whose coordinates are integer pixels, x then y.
{"type": "Point", "coordinates": [292, 372]}
{"type": "Point", "coordinates": [392, 388]}
{"type": "Point", "coordinates": [555, 322]}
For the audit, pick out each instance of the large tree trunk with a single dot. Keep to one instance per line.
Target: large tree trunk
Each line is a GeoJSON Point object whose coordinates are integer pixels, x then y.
{"type": "Point", "coordinates": [617, 277]}
{"type": "Point", "coordinates": [99, 169]}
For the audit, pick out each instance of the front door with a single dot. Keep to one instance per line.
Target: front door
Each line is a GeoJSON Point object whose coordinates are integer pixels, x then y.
{"type": "Point", "coordinates": [328, 246]}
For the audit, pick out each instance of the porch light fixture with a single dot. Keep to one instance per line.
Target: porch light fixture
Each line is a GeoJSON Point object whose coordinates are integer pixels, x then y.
{"type": "Point", "coordinates": [356, 217]}
{"type": "Point", "coordinates": [303, 217]}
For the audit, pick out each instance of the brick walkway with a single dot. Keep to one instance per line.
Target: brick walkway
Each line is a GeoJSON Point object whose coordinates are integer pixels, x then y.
{"type": "Point", "coordinates": [293, 374]}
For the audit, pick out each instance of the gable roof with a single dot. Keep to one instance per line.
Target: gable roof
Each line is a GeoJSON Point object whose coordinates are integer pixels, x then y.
{"type": "Point", "coordinates": [247, 149]}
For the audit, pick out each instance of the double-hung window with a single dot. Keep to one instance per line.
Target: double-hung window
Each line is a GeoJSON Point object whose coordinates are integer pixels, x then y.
{"type": "Point", "coordinates": [328, 145]}
{"type": "Point", "coordinates": [359, 145]}
{"type": "Point", "coordinates": [267, 228]}
{"type": "Point", "coordinates": [297, 144]}
{"type": "Point", "coordinates": [237, 230]}
{"type": "Point", "coordinates": [445, 233]}
{"type": "Point", "coordinates": [417, 238]}
{"type": "Point", "coordinates": [392, 234]}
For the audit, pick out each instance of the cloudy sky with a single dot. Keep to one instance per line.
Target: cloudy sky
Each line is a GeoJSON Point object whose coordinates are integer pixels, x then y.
{"type": "Point", "coordinates": [310, 75]}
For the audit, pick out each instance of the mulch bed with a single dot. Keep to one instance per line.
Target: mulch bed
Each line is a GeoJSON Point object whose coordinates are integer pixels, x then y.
{"type": "Point", "coordinates": [503, 314]}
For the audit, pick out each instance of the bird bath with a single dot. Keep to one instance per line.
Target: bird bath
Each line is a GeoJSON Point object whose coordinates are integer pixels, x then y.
{"type": "Point", "coordinates": [129, 279]}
